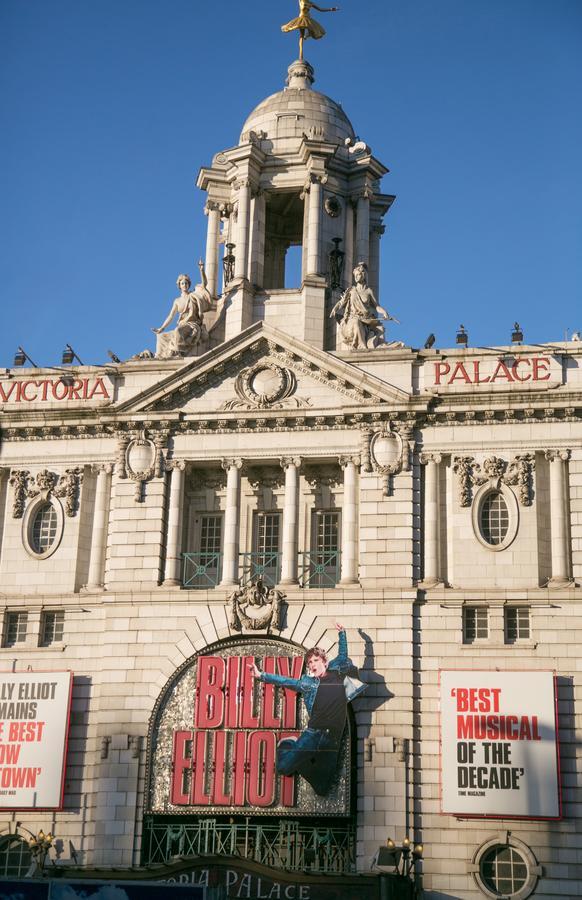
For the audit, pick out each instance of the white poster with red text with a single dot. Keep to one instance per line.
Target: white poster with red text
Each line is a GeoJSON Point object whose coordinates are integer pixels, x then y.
{"type": "Point", "coordinates": [499, 753]}
{"type": "Point", "coordinates": [34, 722]}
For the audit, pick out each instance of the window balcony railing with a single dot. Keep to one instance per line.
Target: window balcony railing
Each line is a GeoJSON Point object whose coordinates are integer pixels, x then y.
{"type": "Point", "coordinates": [263, 566]}
{"type": "Point", "coordinates": [287, 844]}
{"type": "Point", "coordinates": [319, 569]}
{"type": "Point", "coordinates": [202, 570]}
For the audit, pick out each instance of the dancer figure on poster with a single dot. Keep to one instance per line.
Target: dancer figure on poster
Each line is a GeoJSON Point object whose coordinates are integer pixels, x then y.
{"type": "Point", "coordinates": [327, 688]}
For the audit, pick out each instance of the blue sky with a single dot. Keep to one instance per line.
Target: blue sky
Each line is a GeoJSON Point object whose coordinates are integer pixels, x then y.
{"type": "Point", "coordinates": [109, 108]}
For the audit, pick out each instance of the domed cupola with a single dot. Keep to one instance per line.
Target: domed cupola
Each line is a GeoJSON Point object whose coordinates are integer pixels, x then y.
{"type": "Point", "coordinates": [298, 110]}
{"type": "Point", "coordinates": [291, 209]}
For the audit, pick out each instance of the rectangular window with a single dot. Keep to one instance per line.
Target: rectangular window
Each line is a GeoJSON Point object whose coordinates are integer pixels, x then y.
{"type": "Point", "coordinates": [266, 556]}
{"type": "Point", "coordinates": [52, 626]}
{"type": "Point", "coordinates": [517, 624]}
{"type": "Point", "coordinates": [475, 624]}
{"type": "Point", "coordinates": [324, 568]}
{"type": "Point", "coordinates": [15, 626]}
{"type": "Point", "coordinates": [204, 568]}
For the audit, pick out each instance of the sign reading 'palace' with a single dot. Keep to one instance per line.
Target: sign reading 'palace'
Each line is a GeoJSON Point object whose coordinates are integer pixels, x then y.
{"type": "Point", "coordinates": [216, 732]}
{"type": "Point", "coordinates": [496, 371]}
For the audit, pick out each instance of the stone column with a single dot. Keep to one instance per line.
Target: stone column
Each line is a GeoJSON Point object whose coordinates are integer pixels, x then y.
{"type": "Point", "coordinates": [431, 518]}
{"type": "Point", "coordinates": [242, 229]}
{"type": "Point", "coordinates": [290, 521]}
{"type": "Point", "coordinates": [99, 536]}
{"type": "Point", "coordinates": [314, 225]}
{"type": "Point", "coordinates": [172, 574]}
{"type": "Point", "coordinates": [257, 248]}
{"type": "Point", "coordinates": [558, 516]}
{"type": "Point", "coordinates": [231, 522]}
{"type": "Point", "coordinates": [212, 210]}
{"type": "Point", "coordinates": [376, 232]}
{"type": "Point", "coordinates": [349, 243]}
{"type": "Point", "coordinates": [349, 560]}
{"type": "Point", "coordinates": [363, 227]}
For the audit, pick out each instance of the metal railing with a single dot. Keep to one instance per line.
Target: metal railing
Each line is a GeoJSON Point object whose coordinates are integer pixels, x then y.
{"type": "Point", "coordinates": [263, 566]}
{"type": "Point", "coordinates": [287, 844]}
{"type": "Point", "coordinates": [318, 569]}
{"type": "Point", "coordinates": [201, 570]}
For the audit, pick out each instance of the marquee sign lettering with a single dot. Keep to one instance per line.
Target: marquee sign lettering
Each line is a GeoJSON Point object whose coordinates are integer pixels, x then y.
{"type": "Point", "coordinates": [215, 732]}
{"type": "Point", "coordinates": [55, 390]}
{"type": "Point", "coordinates": [504, 371]}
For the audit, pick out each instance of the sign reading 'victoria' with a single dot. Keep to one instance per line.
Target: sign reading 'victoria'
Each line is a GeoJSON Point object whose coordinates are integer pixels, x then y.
{"type": "Point", "coordinates": [215, 734]}
{"type": "Point", "coordinates": [55, 390]}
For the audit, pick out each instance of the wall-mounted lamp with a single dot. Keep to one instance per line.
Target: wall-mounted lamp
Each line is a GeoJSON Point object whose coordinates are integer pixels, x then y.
{"type": "Point", "coordinates": [399, 859]}
{"type": "Point", "coordinates": [462, 336]}
{"type": "Point", "coordinates": [21, 356]}
{"type": "Point", "coordinates": [228, 261]}
{"type": "Point", "coordinates": [69, 355]}
{"type": "Point", "coordinates": [516, 334]}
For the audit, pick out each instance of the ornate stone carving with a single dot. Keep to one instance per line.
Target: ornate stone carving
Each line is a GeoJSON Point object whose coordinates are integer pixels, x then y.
{"type": "Point", "coordinates": [495, 471]}
{"type": "Point", "coordinates": [357, 311]}
{"type": "Point", "coordinates": [141, 457]}
{"type": "Point", "coordinates": [44, 484]}
{"type": "Point", "coordinates": [387, 451]}
{"type": "Point", "coordinates": [323, 476]}
{"type": "Point", "coordinates": [463, 468]}
{"type": "Point", "coordinates": [68, 488]}
{"type": "Point", "coordinates": [203, 479]}
{"type": "Point", "coordinates": [365, 449]}
{"type": "Point", "coordinates": [261, 386]}
{"type": "Point", "coordinates": [564, 455]}
{"type": "Point", "coordinates": [520, 473]}
{"type": "Point", "coordinates": [264, 476]}
{"type": "Point", "coordinates": [19, 481]}
{"type": "Point", "coordinates": [255, 607]}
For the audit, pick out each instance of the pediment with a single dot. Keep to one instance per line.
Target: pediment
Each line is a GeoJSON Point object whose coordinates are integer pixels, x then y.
{"type": "Point", "coordinates": [264, 369]}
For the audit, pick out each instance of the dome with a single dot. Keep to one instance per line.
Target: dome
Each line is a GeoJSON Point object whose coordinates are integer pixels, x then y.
{"type": "Point", "coordinates": [298, 110]}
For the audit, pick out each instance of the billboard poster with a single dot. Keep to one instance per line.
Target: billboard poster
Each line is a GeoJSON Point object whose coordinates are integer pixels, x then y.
{"type": "Point", "coordinates": [34, 721]}
{"type": "Point", "coordinates": [225, 721]}
{"type": "Point", "coordinates": [499, 753]}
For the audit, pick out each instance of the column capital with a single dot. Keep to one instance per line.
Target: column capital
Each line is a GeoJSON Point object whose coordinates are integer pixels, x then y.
{"type": "Point", "coordinates": [212, 206]}
{"type": "Point", "coordinates": [231, 464]}
{"type": "Point", "coordinates": [345, 461]}
{"type": "Point", "coordinates": [242, 183]}
{"type": "Point", "coordinates": [563, 455]}
{"type": "Point", "coordinates": [426, 458]}
{"type": "Point", "coordinates": [179, 464]}
{"type": "Point", "coordinates": [287, 461]}
{"type": "Point", "coordinates": [106, 468]}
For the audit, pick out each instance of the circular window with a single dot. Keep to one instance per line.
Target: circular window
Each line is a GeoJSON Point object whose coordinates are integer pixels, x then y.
{"type": "Point", "coordinates": [495, 516]}
{"type": "Point", "coordinates": [506, 869]}
{"type": "Point", "coordinates": [15, 857]}
{"type": "Point", "coordinates": [42, 527]}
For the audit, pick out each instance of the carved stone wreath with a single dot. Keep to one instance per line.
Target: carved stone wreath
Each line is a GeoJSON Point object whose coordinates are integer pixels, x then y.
{"type": "Point", "coordinates": [264, 384]}
{"type": "Point", "coordinates": [255, 607]}
{"type": "Point", "coordinates": [332, 207]}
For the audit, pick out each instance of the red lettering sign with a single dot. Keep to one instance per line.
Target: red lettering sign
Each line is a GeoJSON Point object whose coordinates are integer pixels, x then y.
{"type": "Point", "coordinates": [536, 368]}
{"type": "Point", "coordinates": [228, 756]}
{"type": "Point", "coordinates": [49, 390]}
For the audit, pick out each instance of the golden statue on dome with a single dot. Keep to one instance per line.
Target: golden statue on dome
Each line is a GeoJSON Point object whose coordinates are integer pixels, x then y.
{"type": "Point", "coordinates": [305, 25]}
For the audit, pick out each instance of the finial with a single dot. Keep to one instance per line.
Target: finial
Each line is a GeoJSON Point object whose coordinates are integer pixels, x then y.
{"type": "Point", "coordinates": [305, 25]}
{"type": "Point", "coordinates": [300, 75]}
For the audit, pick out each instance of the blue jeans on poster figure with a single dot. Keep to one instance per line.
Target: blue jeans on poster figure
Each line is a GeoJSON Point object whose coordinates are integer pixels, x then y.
{"type": "Point", "coordinates": [313, 755]}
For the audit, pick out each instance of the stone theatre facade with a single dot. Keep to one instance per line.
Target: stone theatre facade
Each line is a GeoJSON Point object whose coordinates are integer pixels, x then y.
{"type": "Point", "coordinates": [278, 465]}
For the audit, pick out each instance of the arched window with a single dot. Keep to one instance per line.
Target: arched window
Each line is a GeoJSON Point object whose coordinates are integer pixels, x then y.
{"type": "Point", "coordinates": [15, 856]}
